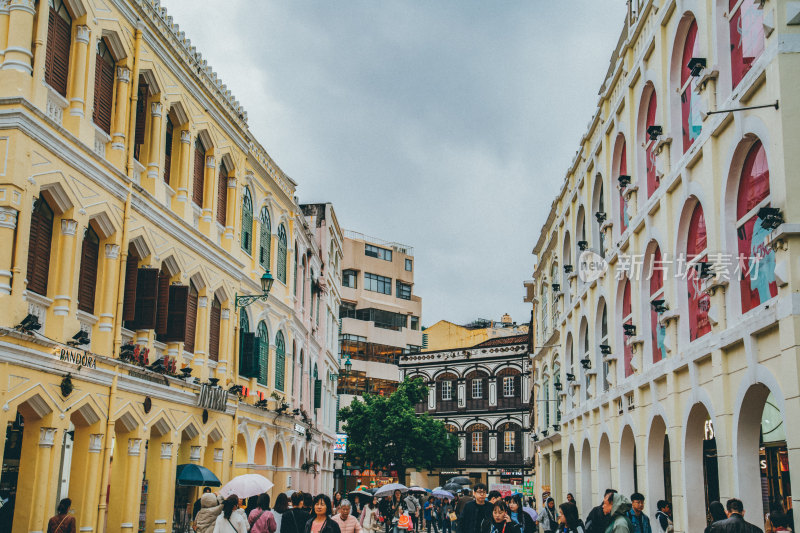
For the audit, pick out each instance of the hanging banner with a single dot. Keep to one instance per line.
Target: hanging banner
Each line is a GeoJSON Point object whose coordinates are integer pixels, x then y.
{"type": "Point", "coordinates": [340, 445]}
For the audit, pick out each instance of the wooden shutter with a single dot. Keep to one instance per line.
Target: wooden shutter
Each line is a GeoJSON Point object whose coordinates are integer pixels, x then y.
{"type": "Point", "coordinates": [141, 118]}
{"type": "Point", "coordinates": [103, 93]}
{"type": "Point", "coordinates": [146, 298]}
{"type": "Point", "coordinates": [51, 47]}
{"type": "Point", "coordinates": [247, 229]}
{"type": "Point", "coordinates": [280, 367]}
{"type": "Point", "coordinates": [191, 321]}
{"type": "Point", "coordinates": [131, 277]}
{"type": "Point", "coordinates": [59, 39]}
{"type": "Point", "coordinates": [213, 331]}
{"type": "Point", "coordinates": [168, 151]}
{"type": "Point", "coordinates": [87, 279]}
{"type": "Point", "coordinates": [249, 347]}
{"type": "Point", "coordinates": [162, 312]}
{"type": "Point", "coordinates": [199, 173]}
{"type": "Point", "coordinates": [222, 195]}
{"type": "Point", "coordinates": [39, 245]}
{"type": "Point", "coordinates": [178, 306]}
{"type": "Point", "coordinates": [317, 393]}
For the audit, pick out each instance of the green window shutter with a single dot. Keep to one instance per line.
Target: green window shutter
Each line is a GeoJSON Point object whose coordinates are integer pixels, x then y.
{"type": "Point", "coordinates": [249, 347]}
{"type": "Point", "coordinates": [282, 253]}
{"type": "Point", "coordinates": [317, 393]}
{"type": "Point", "coordinates": [263, 354]}
{"type": "Point", "coordinates": [247, 221]}
{"type": "Point", "coordinates": [280, 361]}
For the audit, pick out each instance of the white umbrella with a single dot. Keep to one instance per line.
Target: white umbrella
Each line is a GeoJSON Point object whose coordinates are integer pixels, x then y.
{"type": "Point", "coordinates": [416, 489]}
{"type": "Point", "coordinates": [246, 485]}
{"type": "Point", "coordinates": [388, 489]}
{"type": "Point", "coordinates": [441, 493]}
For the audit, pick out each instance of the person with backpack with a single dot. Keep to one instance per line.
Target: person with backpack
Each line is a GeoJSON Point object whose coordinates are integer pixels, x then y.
{"type": "Point", "coordinates": [232, 519]}
{"type": "Point", "coordinates": [568, 520]}
{"type": "Point", "coordinates": [294, 520]}
{"type": "Point", "coordinates": [261, 518]}
{"type": "Point", "coordinates": [475, 512]}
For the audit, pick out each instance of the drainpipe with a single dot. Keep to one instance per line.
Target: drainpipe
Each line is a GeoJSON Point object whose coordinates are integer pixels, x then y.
{"type": "Point", "coordinates": [102, 506]}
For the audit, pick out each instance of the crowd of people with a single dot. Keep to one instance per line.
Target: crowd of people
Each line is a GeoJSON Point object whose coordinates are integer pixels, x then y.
{"type": "Point", "coordinates": [470, 511]}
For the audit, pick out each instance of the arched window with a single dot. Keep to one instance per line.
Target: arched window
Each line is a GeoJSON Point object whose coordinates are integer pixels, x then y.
{"type": "Point", "coordinates": [244, 321]}
{"type": "Point", "coordinates": [554, 280]}
{"type": "Point", "coordinates": [191, 319]}
{"type": "Point", "coordinates": [699, 300]}
{"type": "Point", "coordinates": [691, 122]}
{"type": "Point", "coordinates": [263, 353]}
{"type": "Point", "coordinates": [39, 245]}
{"type": "Point", "coordinates": [509, 387]}
{"type": "Point", "coordinates": [758, 275]}
{"type": "Point", "coordinates": [586, 357]}
{"type": "Point", "coordinates": [59, 39]}
{"type": "Point", "coordinates": [746, 25]}
{"type": "Point", "coordinates": [446, 392]}
{"type": "Point", "coordinates": [546, 402]}
{"type": "Point", "coordinates": [103, 86]}
{"type": "Point", "coordinates": [598, 217]}
{"type": "Point", "coordinates": [601, 208]}
{"type": "Point", "coordinates": [557, 388]}
{"type": "Point", "coordinates": [544, 319]}
{"type": "Point", "coordinates": [282, 253]}
{"type": "Point", "coordinates": [280, 360]}
{"type": "Point", "coordinates": [168, 149]}
{"type": "Point", "coordinates": [214, 329]}
{"type": "Point", "coordinates": [604, 341]}
{"type": "Point", "coordinates": [622, 170]}
{"type": "Point", "coordinates": [478, 446]}
{"type": "Point", "coordinates": [509, 447]}
{"type": "Point", "coordinates": [566, 285]}
{"type": "Point", "coordinates": [247, 220]}
{"type": "Point", "coordinates": [657, 331]}
{"type": "Point", "coordinates": [303, 283]}
{"type": "Point", "coordinates": [570, 369]}
{"type": "Point", "coordinates": [222, 194]}
{"type": "Point", "coordinates": [87, 278]}
{"type": "Point", "coordinates": [649, 146]}
{"type": "Point", "coordinates": [266, 237]}
{"type": "Point", "coordinates": [627, 318]}
{"type": "Point", "coordinates": [477, 390]}
{"type": "Point", "coordinates": [301, 370]}
{"type": "Point", "coordinates": [199, 172]}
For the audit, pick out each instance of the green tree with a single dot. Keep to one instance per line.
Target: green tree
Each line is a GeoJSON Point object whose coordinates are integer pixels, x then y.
{"type": "Point", "coordinates": [386, 429]}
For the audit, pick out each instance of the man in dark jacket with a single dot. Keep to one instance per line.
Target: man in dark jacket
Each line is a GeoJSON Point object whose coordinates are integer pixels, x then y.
{"type": "Point", "coordinates": [475, 512]}
{"type": "Point", "coordinates": [597, 521]}
{"type": "Point", "coordinates": [294, 520]}
{"type": "Point", "coordinates": [735, 522]}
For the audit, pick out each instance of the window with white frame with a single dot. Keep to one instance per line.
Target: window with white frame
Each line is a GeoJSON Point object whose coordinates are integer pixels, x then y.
{"type": "Point", "coordinates": [477, 388]}
{"type": "Point", "coordinates": [509, 441]}
{"type": "Point", "coordinates": [508, 386]}
{"type": "Point", "coordinates": [447, 390]}
{"type": "Point", "coordinates": [477, 442]}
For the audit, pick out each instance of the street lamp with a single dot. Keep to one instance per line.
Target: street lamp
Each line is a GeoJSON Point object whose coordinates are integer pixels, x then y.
{"type": "Point", "coordinates": [348, 366]}
{"type": "Point", "coordinates": [246, 299]}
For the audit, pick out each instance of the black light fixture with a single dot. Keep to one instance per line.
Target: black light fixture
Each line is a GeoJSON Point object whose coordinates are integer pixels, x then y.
{"type": "Point", "coordinates": [544, 433]}
{"type": "Point", "coordinates": [570, 377]}
{"type": "Point", "coordinates": [659, 306]}
{"type": "Point", "coordinates": [187, 372]}
{"type": "Point", "coordinates": [654, 132]}
{"type": "Point", "coordinates": [605, 349]}
{"type": "Point", "coordinates": [246, 299]}
{"type": "Point", "coordinates": [586, 363]}
{"type": "Point", "coordinates": [568, 269]}
{"type": "Point", "coordinates": [600, 216]}
{"type": "Point", "coordinates": [556, 286]}
{"type": "Point", "coordinates": [29, 324]}
{"type": "Point", "coordinates": [583, 245]}
{"type": "Point", "coordinates": [535, 437]}
{"type": "Point", "coordinates": [630, 330]}
{"type": "Point", "coordinates": [79, 338]}
{"type": "Point", "coordinates": [557, 385]}
{"type": "Point", "coordinates": [696, 65]}
{"type": "Point", "coordinates": [556, 427]}
{"type": "Point", "coordinates": [213, 382]}
{"type": "Point", "coordinates": [771, 217]}
{"type": "Point", "coordinates": [624, 180]}
{"type": "Point", "coordinates": [703, 269]}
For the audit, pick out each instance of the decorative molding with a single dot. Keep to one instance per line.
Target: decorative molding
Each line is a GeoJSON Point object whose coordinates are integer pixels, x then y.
{"type": "Point", "coordinates": [123, 75]}
{"type": "Point", "coordinates": [47, 437]}
{"type": "Point", "coordinates": [95, 442]}
{"type": "Point", "coordinates": [112, 251]}
{"type": "Point", "coordinates": [202, 302]}
{"type": "Point", "coordinates": [82, 34]}
{"type": "Point", "coordinates": [69, 226]}
{"type": "Point", "coordinates": [166, 450]}
{"type": "Point", "coordinates": [218, 455]}
{"type": "Point", "coordinates": [156, 108]}
{"type": "Point", "coordinates": [186, 136]}
{"type": "Point", "coordinates": [134, 446]}
{"type": "Point", "coordinates": [225, 314]}
{"type": "Point", "coordinates": [194, 453]}
{"type": "Point", "coordinates": [210, 163]}
{"type": "Point", "coordinates": [8, 218]}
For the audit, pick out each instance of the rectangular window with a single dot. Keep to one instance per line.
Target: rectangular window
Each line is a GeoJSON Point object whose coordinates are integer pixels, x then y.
{"type": "Point", "coordinates": [403, 290]}
{"type": "Point", "coordinates": [376, 283]}
{"type": "Point", "coordinates": [415, 323]}
{"type": "Point", "coordinates": [447, 390]}
{"type": "Point", "coordinates": [409, 265]}
{"type": "Point", "coordinates": [477, 388]}
{"type": "Point", "coordinates": [349, 279]}
{"type": "Point", "coordinates": [380, 253]}
{"type": "Point", "coordinates": [508, 441]}
{"type": "Point", "coordinates": [477, 442]}
{"type": "Point", "coordinates": [413, 348]}
{"type": "Point", "coordinates": [508, 386]}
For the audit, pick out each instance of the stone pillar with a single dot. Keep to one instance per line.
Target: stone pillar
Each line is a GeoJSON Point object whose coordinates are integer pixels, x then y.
{"type": "Point", "coordinates": [132, 487]}
{"type": "Point", "coordinates": [201, 336]}
{"type": "Point", "coordinates": [225, 341]}
{"type": "Point", "coordinates": [40, 505]}
{"type": "Point", "coordinates": [432, 395]}
{"type": "Point", "coordinates": [68, 261]}
{"type": "Point", "coordinates": [209, 191]}
{"type": "Point", "coordinates": [77, 90]}
{"type": "Point", "coordinates": [119, 128]}
{"type": "Point", "coordinates": [85, 501]}
{"type": "Point", "coordinates": [492, 445]}
{"type": "Point", "coordinates": [230, 223]}
{"type": "Point", "coordinates": [180, 200]}
{"type": "Point", "coordinates": [163, 484]}
{"type": "Point", "coordinates": [3, 29]}
{"type": "Point", "coordinates": [107, 274]}
{"type": "Point", "coordinates": [156, 140]}
{"type": "Point", "coordinates": [18, 55]}
{"type": "Point", "coordinates": [8, 227]}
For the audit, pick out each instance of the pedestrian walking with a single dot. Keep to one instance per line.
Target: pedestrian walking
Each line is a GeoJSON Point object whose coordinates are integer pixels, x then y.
{"type": "Point", "coordinates": [430, 515]}
{"type": "Point", "coordinates": [294, 520]}
{"type": "Point", "coordinates": [616, 506]}
{"type": "Point", "coordinates": [568, 520]}
{"type": "Point", "coordinates": [321, 521]}
{"type": "Point", "coordinates": [196, 507]}
{"type": "Point", "coordinates": [521, 518]}
{"type": "Point", "coordinates": [597, 521]}
{"type": "Point", "coordinates": [500, 522]}
{"type": "Point", "coordinates": [413, 506]}
{"type": "Point", "coordinates": [446, 516]}
{"type": "Point", "coordinates": [639, 520]}
{"type": "Point", "coordinates": [370, 517]}
{"type": "Point", "coordinates": [233, 518]}
{"type": "Point", "coordinates": [664, 517]}
{"type": "Point", "coordinates": [281, 506]}
{"type": "Point", "coordinates": [493, 496]}
{"type": "Point", "coordinates": [387, 512]}
{"type": "Point", "coordinates": [210, 509]}
{"type": "Point", "coordinates": [261, 518]}
{"type": "Point", "coordinates": [475, 512]}
{"type": "Point", "coordinates": [347, 522]}
{"type": "Point", "coordinates": [735, 523]}
{"type": "Point", "coordinates": [780, 521]}
{"type": "Point", "coordinates": [62, 522]}
{"type": "Point", "coordinates": [547, 518]}
{"type": "Point", "coordinates": [336, 501]}
{"type": "Point", "coordinates": [717, 512]}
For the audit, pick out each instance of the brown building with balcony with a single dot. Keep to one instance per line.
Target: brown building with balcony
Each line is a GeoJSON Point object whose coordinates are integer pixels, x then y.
{"type": "Point", "coordinates": [483, 395]}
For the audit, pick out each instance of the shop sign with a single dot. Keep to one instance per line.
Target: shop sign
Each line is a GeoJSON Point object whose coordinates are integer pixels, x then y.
{"type": "Point", "coordinates": [214, 398]}
{"type": "Point", "coordinates": [510, 473]}
{"type": "Point", "coordinates": [449, 472]}
{"type": "Point", "coordinates": [300, 429]}
{"type": "Point", "coordinates": [77, 357]}
{"type": "Point", "coordinates": [340, 445]}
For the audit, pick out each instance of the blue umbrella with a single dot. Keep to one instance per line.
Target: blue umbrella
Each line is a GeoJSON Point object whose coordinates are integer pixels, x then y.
{"type": "Point", "coordinates": [196, 476]}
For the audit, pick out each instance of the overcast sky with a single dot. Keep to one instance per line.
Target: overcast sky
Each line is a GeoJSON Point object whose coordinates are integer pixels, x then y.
{"type": "Point", "coordinates": [444, 125]}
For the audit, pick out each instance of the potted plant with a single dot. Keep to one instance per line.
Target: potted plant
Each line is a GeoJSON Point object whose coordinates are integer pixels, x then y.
{"type": "Point", "coordinates": [310, 467]}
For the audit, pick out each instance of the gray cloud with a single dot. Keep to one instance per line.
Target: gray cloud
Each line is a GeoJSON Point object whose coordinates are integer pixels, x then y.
{"type": "Point", "coordinates": [444, 125]}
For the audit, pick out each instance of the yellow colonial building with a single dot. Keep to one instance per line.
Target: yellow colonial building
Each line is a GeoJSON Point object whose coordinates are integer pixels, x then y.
{"type": "Point", "coordinates": [135, 205]}
{"type": "Point", "coordinates": [665, 292]}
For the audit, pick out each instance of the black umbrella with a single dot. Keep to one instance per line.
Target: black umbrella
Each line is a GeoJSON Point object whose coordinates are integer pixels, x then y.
{"type": "Point", "coordinates": [460, 480]}
{"type": "Point", "coordinates": [452, 487]}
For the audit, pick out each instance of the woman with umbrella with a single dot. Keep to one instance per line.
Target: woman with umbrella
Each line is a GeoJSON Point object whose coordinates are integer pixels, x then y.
{"type": "Point", "coordinates": [321, 521]}
{"type": "Point", "coordinates": [369, 517]}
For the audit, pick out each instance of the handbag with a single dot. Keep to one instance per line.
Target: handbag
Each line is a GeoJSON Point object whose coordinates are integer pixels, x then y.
{"type": "Point", "coordinates": [452, 516]}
